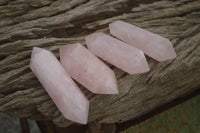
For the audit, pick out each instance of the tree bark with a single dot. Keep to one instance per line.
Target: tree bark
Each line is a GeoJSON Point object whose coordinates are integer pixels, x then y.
{"type": "Point", "coordinates": [50, 24]}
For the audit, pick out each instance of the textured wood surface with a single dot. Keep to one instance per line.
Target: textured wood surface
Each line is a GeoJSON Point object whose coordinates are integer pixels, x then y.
{"type": "Point", "coordinates": [50, 24]}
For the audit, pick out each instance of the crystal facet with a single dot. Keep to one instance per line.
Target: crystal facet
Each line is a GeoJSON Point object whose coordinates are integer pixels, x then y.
{"type": "Point", "coordinates": [87, 69]}
{"type": "Point", "coordinates": [118, 53]}
{"type": "Point", "coordinates": [151, 44]}
{"type": "Point", "coordinates": [61, 88]}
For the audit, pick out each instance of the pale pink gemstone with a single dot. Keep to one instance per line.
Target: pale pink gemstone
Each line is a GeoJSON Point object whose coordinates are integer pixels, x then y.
{"type": "Point", "coordinates": [61, 88]}
{"type": "Point", "coordinates": [87, 69]}
{"type": "Point", "coordinates": [153, 45]}
{"type": "Point", "coordinates": [118, 53]}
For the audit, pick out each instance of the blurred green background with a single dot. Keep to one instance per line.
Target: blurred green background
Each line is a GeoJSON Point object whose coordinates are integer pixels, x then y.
{"type": "Point", "coordinates": [183, 118]}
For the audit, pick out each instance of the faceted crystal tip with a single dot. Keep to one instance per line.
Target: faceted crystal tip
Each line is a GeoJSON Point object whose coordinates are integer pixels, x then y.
{"type": "Point", "coordinates": [167, 51]}
{"type": "Point", "coordinates": [110, 84]}
{"type": "Point", "coordinates": [143, 66]}
{"type": "Point", "coordinates": [80, 114]}
{"type": "Point", "coordinates": [90, 39]}
{"type": "Point", "coordinates": [153, 45]}
{"type": "Point", "coordinates": [35, 51]}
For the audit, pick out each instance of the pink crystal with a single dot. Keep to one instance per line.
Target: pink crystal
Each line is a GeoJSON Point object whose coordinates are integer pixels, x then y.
{"type": "Point", "coordinates": [118, 53]}
{"type": "Point", "coordinates": [87, 69]}
{"type": "Point", "coordinates": [151, 44]}
{"type": "Point", "coordinates": [61, 88]}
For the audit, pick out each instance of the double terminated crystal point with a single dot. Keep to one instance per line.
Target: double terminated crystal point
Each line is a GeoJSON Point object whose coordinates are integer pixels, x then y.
{"type": "Point", "coordinates": [87, 69]}
{"type": "Point", "coordinates": [118, 53]}
{"type": "Point", "coordinates": [90, 71]}
{"type": "Point", "coordinates": [61, 88]}
{"type": "Point", "coordinates": [151, 44]}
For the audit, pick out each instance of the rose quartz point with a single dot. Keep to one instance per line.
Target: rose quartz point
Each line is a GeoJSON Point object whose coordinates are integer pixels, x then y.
{"type": "Point", "coordinates": [155, 46]}
{"type": "Point", "coordinates": [87, 69]}
{"type": "Point", "coordinates": [118, 53]}
{"type": "Point", "coordinates": [61, 88]}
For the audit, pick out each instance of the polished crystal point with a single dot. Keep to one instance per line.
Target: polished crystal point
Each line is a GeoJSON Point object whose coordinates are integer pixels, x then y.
{"type": "Point", "coordinates": [87, 69]}
{"type": "Point", "coordinates": [151, 44]}
{"type": "Point", "coordinates": [117, 53]}
{"type": "Point", "coordinates": [61, 88]}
